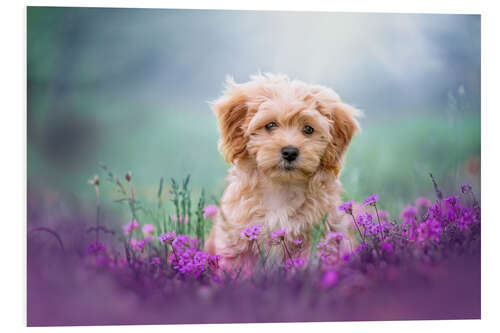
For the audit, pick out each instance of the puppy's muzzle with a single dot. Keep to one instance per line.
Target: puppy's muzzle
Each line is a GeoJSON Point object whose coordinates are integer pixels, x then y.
{"type": "Point", "coordinates": [289, 153]}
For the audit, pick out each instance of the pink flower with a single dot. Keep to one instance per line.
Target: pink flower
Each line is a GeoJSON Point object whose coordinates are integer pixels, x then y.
{"type": "Point", "coordinates": [128, 228]}
{"type": "Point", "coordinates": [384, 216]}
{"type": "Point", "coordinates": [329, 279]}
{"type": "Point", "coordinates": [210, 212]}
{"type": "Point", "coordinates": [148, 229]}
{"type": "Point", "coordinates": [136, 245]}
{"type": "Point", "coordinates": [335, 236]}
{"type": "Point", "coordinates": [422, 202]}
{"type": "Point", "coordinates": [180, 219]}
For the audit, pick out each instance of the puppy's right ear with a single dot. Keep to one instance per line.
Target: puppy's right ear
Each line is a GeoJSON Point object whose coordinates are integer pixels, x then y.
{"type": "Point", "coordinates": [231, 110]}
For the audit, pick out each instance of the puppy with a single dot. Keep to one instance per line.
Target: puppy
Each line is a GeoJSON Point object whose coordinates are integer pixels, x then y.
{"type": "Point", "coordinates": [286, 141]}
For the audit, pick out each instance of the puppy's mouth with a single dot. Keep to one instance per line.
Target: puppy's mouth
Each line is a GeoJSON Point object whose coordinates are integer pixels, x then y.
{"type": "Point", "coordinates": [288, 166]}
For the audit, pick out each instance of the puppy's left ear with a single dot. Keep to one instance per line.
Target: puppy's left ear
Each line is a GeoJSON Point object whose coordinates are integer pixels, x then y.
{"type": "Point", "coordinates": [231, 110]}
{"type": "Point", "coordinates": [344, 126]}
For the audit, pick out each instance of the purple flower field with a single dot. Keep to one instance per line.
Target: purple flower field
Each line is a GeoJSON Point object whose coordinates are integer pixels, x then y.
{"type": "Point", "coordinates": [423, 264]}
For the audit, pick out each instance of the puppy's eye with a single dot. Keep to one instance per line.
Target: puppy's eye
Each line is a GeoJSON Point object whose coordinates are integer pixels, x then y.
{"type": "Point", "coordinates": [270, 126]}
{"type": "Point", "coordinates": [308, 130]}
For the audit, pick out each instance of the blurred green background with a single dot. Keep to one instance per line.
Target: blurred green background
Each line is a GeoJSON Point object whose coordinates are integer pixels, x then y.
{"type": "Point", "coordinates": [129, 87]}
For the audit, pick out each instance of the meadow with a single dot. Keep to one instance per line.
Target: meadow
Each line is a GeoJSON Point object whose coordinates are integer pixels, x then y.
{"type": "Point", "coordinates": [124, 174]}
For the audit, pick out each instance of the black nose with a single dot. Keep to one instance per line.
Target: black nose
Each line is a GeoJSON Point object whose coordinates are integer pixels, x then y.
{"type": "Point", "coordinates": [289, 153]}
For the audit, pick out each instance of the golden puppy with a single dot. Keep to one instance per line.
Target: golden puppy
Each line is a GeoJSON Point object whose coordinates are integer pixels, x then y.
{"type": "Point", "coordinates": [286, 140]}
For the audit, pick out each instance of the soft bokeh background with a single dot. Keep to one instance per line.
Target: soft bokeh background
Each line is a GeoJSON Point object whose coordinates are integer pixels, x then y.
{"type": "Point", "coordinates": [129, 87]}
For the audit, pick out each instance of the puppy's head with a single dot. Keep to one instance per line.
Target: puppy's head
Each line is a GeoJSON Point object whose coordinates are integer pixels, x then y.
{"type": "Point", "coordinates": [289, 130]}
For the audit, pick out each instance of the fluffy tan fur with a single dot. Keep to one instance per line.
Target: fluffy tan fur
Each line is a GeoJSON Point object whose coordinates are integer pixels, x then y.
{"type": "Point", "coordinates": [260, 189]}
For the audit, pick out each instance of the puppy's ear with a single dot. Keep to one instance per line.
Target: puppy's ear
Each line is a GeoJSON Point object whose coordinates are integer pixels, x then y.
{"type": "Point", "coordinates": [343, 127]}
{"type": "Point", "coordinates": [231, 110]}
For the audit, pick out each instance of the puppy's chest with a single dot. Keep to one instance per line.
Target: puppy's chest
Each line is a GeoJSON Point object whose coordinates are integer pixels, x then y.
{"type": "Point", "coordinates": [280, 207]}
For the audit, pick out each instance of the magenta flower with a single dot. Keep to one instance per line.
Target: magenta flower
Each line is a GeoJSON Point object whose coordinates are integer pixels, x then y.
{"type": "Point", "coordinates": [210, 212]}
{"type": "Point", "coordinates": [430, 229]}
{"type": "Point", "coordinates": [371, 200]}
{"type": "Point", "coordinates": [346, 207]}
{"type": "Point", "coordinates": [451, 200]}
{"type": "Point", "coordinates": [329, 279]}
{"type": "Point", "coordinates": [409, 213]}
{"type": "Point", "coordinates": [155, 261]}
{"type": "Point", "coordinates": [167, 237]}
{"type": "Point", "coordinates": [128, 228]}
{"type": "Point", "coordinates": [466, 188]}
{"type": "Point", "coordinates": [148, 229]}
{"type": "Point", "coordinates": [297, 242]}
{"type": "Point", "coordinates": [251, 232]}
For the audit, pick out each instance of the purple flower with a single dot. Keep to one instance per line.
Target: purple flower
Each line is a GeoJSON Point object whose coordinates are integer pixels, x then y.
{"type": "Point", "coordinates": [409, 213]}
{"type": "Point", "coordinates": [387, 247]}
{"type": "Point", "coordinates": [96, 248]}
{"type": "Point", "coordinates": [129, 227]}
{"type": "Point", "coordinates": [435, 210]}
{"type": "Point", "coordinates": [213, 261]}
{"type": "Point", "coordinates": [251, 232]}
{"type": "Point", "coordinates": [466, 188]}
{"type": "Point", "coordinates": [155, 261]}
{"type": "Point", "coordinates": [371, 200]}
{"type": "Point", "coordinates": [279, 235]}
{"type": "Point", "coordinates": [430, 229]}
{"type": "Point", "coordinates": [187, 260]}
{"type": "Point", "coordinates": [294, 263]}
{"type": "Point", "coordinates": [297, 242]}
{"type": "Point", "coordinates": [329, 279]}
{"type": "Point", "coordinates": [167, 237]}
{"type": "Point", "coordinates": [346, 207]}
{"type": "Point", "coordinates": [451, 200]}
{"type": "Point", "coordinates": [210, 211]}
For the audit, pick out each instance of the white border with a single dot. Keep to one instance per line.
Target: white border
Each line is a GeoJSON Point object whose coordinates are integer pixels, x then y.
{"type": "Point", "coordinates": [13, 197]}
